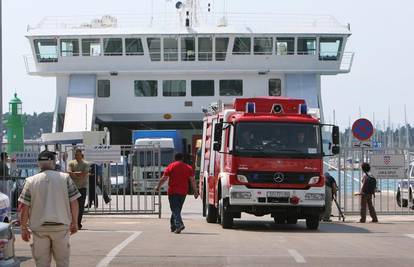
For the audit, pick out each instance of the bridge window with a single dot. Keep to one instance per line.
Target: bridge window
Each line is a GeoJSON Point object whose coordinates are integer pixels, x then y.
{"type": "Point", "coordinates": [275, 87]}
{"type": "Point", "coordinates": [285, 46]}
{"type": "Point", "coordinates": [263, 45]}
{"type": "Point", "coordinates": [112, 46]}
{"type": "Point", "coordinates": [69, 47]}
{"type": "Point", "coordinates": [188, 49]}
{"type": "Point", "coordinates": [307, 46]}
{"type": "Point", "coordinates": [133, 47]}
{"type": "Point", "coordinates": [91, 47]}
{"type": "Point", "coordinates": [174, 88]}
{"type": "Point", "coordinates": [330, 48]}
{"type": "Point", "coordinates": [154, 47]}
{"type": "Point", "coordinates": [205, 49]}
{"type": "Point", "coordinates": [170, 49]}
{"type": "Point", "coordinates": [222, 44]}
{"type": "Point", "coordinates": [146, 88]}
{"type": "Point", "coordinates": [104, 88]}
{"type": "Point", "coordinates": [231, 87]}
{"type": "Point", "coordinates": [242, 46]}
{"type": "Point", "coordinates": [202, 88]}
{"type": "Point", "coordinates": [46, 50]}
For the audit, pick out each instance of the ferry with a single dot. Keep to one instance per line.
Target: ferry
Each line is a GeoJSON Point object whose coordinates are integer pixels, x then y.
{"type": "Point", "coordinates": [160, 71]}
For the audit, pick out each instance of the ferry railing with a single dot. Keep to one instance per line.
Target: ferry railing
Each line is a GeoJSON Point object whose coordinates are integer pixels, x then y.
{"type": "Point", "coordinates": [171, 19]}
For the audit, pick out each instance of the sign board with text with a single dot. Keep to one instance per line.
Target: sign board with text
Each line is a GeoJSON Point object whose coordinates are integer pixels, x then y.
{"type": "Point", "coordinates": [103, 153]}
{"type": "Point", "coordinates": [388, 166]}
{"type": "Point", "coordinates": [25, 160]}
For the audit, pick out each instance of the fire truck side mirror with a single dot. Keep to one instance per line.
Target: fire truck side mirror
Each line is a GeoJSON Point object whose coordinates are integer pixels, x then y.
{"type": "Point", "coordinates": [218, 130]}
{"type": "Point", "coordinates": [335, 135]}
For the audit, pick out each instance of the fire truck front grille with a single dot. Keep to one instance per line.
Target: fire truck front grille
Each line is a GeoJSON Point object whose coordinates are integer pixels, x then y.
{"type": "Point", "coordinates": [278, 177]}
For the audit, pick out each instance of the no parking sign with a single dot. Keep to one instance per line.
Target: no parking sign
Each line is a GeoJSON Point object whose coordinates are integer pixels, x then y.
{"type": "Point", "coordinates": [362, 129]}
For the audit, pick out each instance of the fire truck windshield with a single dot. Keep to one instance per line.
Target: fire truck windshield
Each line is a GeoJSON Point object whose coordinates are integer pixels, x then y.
{"type": "Point", "coordinates": [268, 139]}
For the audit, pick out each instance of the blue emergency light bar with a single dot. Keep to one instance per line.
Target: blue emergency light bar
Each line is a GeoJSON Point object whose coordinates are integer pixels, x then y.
{"type": "Point", "coordinates": [250, 107]}
{"type": "Point", "coordinates": [303, 109]}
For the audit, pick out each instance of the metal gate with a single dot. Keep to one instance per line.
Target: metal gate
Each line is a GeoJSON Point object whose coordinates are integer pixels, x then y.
{"type": "Point", "coordinates": [122, 179]}
{"type": "Point", "coordinates": [393, 197]}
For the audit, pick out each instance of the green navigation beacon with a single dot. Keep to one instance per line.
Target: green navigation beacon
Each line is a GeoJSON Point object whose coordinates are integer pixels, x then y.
{"type": "Point", "coordinates": [15, 126]}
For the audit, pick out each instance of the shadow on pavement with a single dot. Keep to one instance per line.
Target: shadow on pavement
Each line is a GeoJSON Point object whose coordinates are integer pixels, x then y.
{"type": "Point", "coordinates": [269, 226]}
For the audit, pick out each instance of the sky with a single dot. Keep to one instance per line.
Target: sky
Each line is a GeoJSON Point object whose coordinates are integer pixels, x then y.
{"type": "Point", "coordinates": [380, 80]}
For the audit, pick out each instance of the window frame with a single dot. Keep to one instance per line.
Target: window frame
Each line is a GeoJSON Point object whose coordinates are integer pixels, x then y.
{"type": "Point", "coordinates": [140, 47]}
{"type": "Point", "coordinates": [85, 42]}
{"type": "Point", "coordinates": [240, 53]}
{"type": "Point", "coordinates": [185, 55]}
{"type": "Point", "coordinates": [219, 53]}
{"type": "Point", "coordinates": [155, 56]}
{"type": "Point", "coordinates": [308, 52]}
{"type": "Point", "coordinates": [76, 48]}
{"type": "Point", "coordinates": [100, 89]}
{"type": "Point", "coordinates": [170, 54]}
{"type": "Point", "coordinates": [208, 54]}
{"type": "Point", "coordinates": [264, 52]}
{"type": "Point", "coordinates": [269, 88]}
{"type": "Point", "coordinates": [289, 41]}
{"type": "Point", "coordinates": [149, 81]}
{"type": "Point", "coordinates": [181, 93]}
{"type": "Point", "coordinates": [231, 80]}
{"type": "Point", "coordinates": [107, 41]}
{"type": "Point", "coordinates": [46, 58]}
{"type": "Point", "coordinates": [205, 95]}
{"type": "Point", "coordinates": [338, 53]}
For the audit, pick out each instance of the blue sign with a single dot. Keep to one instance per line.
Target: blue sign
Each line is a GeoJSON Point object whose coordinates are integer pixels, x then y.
{"type": "Point", "coordinates": [362, 129]}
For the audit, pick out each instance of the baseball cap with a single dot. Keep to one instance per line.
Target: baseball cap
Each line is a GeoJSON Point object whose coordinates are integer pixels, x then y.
{"type": "Point", "coordinates": [46, 156]}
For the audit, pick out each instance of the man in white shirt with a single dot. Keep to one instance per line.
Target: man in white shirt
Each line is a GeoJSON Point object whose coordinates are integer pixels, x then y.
{"type": "Point", "coordinates": [49, 208]}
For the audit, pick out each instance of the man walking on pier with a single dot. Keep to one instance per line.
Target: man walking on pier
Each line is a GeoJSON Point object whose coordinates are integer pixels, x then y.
{"type": "Point", "coordinates": [368, 188]}
{"type": "Point", "coordinates": [49, 207]}
{"type": "Point", "coordinates": [79, 172]}
{"type": "Point", "coordinates": [178, 174]}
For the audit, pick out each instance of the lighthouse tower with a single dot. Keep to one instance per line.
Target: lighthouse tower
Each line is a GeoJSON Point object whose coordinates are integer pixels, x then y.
{"type": "Point", "coordinates": [15, 126]}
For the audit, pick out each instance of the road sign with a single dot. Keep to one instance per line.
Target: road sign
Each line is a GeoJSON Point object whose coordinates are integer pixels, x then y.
{"type": "Point", "coordinates": [103, 153]}
{"type": "Point", "coordinates": [363, 144]}
{"type": "Point", "coordinates": [25, 160]}
{"type": "Point", "coordinates": [362, 129]}
{"type": "Point", "coordinates": [388, 166]}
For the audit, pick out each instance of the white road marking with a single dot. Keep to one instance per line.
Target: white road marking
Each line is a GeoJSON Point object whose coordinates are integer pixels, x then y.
{"type": "Point", "coordinates": [410, 235]}
{"type": "Point", "coordinates": [112, 254]}
{"type": "Point", "coordinates": [296, 256]}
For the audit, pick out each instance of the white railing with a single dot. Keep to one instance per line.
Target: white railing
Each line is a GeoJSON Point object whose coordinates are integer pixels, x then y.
{"type": "Point", "coordinates": [347, 61]}
{"type": "Point", "coordinates": [275, 20]}
{"type": "Point", "coordinates": [29, 63]}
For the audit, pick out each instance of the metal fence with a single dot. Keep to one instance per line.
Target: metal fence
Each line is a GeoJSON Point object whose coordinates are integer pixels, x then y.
{"type": "Point", "coordinates": [122, 185]}
{"type": "Point", "coordinates": [120, 180]}
{"type": "Point", "coordinates": [393, 196]}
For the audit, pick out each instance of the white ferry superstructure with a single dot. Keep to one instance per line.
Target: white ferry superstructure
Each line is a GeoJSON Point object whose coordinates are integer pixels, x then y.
{"type": "Point", "coordinates": [127, 73]}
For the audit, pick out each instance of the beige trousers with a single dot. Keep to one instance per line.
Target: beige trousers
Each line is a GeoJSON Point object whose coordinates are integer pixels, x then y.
{"type": "Point", "coordinates": [46, 244]}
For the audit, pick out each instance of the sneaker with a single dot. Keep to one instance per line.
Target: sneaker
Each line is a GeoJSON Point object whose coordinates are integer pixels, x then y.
{"type": "Point", "coordinates": [361, 221]}
{"type": "Point", "coordinates": [374, 221]}
{"type": "Point", "coordinates": [172, 229]}
{"type": "Point", "coordinates": [327, 220]}
{"type": "Point", "coordinates": [178, 230]}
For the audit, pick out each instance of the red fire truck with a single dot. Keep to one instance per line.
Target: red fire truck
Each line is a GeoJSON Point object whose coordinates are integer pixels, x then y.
{"type": "Point", "coordinates": [264, 156]}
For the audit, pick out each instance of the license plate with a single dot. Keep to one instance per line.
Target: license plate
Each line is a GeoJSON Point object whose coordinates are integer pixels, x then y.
{"type": "Point", "coordinates": [278, 194]}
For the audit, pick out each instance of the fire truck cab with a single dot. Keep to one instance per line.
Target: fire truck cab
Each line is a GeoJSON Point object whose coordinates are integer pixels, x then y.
{"type": "Point", "coordinates": [263, 156]}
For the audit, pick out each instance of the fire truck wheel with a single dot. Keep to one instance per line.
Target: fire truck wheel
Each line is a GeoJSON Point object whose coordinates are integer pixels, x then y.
{"type": "Point", "coordinates": [211, 212]}
{"type": "Point", "coordinates": [312, 222]}
{"type": "Point", "coordinates": [226, 218]}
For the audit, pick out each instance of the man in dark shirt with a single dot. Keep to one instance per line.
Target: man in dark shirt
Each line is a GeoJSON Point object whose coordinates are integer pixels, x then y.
{"type": "Point", "coordinates": [178, 174]}
{"type": "Point", "coordinates": [330, 193]}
